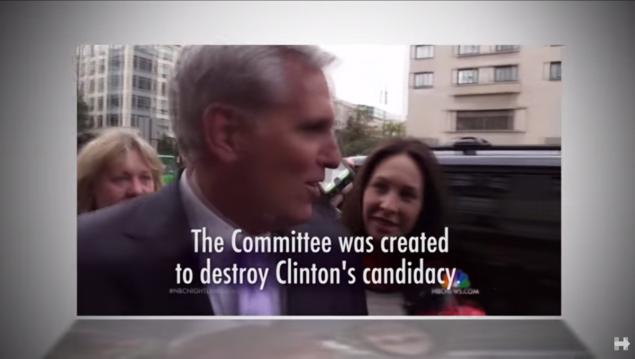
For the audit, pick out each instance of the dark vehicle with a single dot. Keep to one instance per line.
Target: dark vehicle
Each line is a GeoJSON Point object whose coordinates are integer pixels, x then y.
{"type": "Point", "coordinates": [505, 224]}
{"type": "Point", "coordinates": [471, 141]}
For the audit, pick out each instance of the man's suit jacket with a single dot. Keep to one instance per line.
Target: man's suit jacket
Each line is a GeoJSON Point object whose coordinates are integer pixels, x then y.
{"type": "Point", "coordinates": [127, 255]}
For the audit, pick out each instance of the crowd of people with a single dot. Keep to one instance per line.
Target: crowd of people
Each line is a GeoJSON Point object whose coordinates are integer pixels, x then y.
{"type": "Point", "coordinates": [254, 125]}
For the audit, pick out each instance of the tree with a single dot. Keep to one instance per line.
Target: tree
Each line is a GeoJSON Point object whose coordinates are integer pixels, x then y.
{"type": "Point", "coordinates": [393, 129]}
{"type": "Point", "coordinates": [358, 137]}
{"type": "Point", "coordinates": [83, 118]}
{"type": "Point", "coordinates": [166, 145]}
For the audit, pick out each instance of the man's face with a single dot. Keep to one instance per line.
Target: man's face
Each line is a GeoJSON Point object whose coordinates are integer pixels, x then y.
{"type": "Point", "coordinates": [285, 155]}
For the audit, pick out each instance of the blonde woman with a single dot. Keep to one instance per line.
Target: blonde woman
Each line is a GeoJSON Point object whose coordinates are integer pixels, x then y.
{"type": "Point", "coordinates": [115, 166]}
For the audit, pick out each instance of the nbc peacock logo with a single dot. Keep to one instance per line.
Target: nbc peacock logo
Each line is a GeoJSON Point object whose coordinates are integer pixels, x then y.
{"type": "Point", "coordinates": [461, 280]}
{"type": "Point", "coordinates": [460, 285]}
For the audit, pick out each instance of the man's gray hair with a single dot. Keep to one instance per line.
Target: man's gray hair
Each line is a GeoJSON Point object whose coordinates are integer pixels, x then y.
{"type": "Point", "coordinates": [247, 77]}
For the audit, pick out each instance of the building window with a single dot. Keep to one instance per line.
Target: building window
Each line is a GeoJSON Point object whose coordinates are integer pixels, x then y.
{"type": "Point", "coordinates": [423, 79]}
{"type": "Point", "coordinates": [164, 107]}
{"type": "Point", "coordinates": [167, 54]}
{"type": "Point", "coordinates": [100, 104]}
{"type": "Point", "coordinates": [143, 123]}
{"type": "Point", "coordinates": [165, 71]}
{"type": "Point", "coordinates": [162, 88]}
{"type": "Point", "coordinates": [114, 101]}
{"type": "Point", "coordinates": [469, 49]}
{"type": "Point", "coordinates": [147, 50]}
{"type": "Point", "coordinates": [102, 66]}
{"type": "Point", "coordinates": [141, 83]}
{"type": "Point", "coordinates": [114, 81]}
{"type": "Point", "coordinates": [488, 120]}
{"type": "Point", "coordinates": [82, 69]}
{"type": "Point", "coordinates": [506, 73]}
{"type": "Point", "coordinates": [141, 102]}
{"type": "Point", "coordinates": [91, 68]}
{"type": "Point", "coordinates": [100, 84]}
{"type": "Point", "coordinates": [101, 49]}
{"type": "Point", "coordinates": [143, 64]}
{"type": "Point", "coordinates": [507, 48]}
{"type": "Point", "coordinates": [467, 76]}
{"type": "Point", "coordinates": [113, 120]}
{"type": "Point", "coordinates": [555, 71]}
{"type": "Point", "coordinates": [115, 62]}
{"type": "Point", "coordinates": [424, 52]}
{"type": "Point", "coordinates": [91, 86]}
{"type": "Point", "coordinates": [100, 120]}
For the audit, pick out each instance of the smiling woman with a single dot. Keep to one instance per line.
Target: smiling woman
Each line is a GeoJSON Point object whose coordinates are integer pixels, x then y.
{"type": "Point", "coordinates": [398, 192]}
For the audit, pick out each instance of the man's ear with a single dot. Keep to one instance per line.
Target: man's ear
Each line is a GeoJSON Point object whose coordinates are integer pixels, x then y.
{"type": "Point", "coordinates": [221, 126]}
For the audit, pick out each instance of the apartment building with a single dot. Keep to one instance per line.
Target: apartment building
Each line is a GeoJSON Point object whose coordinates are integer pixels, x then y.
{"type": "Point", "coordinates": [127, 86]}
{"type": "Point", "coordinates": [377, 117]}
{"type": "Point", "coordinates": [505, 94]}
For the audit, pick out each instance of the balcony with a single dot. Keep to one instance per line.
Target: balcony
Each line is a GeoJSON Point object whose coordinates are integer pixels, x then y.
{"type": "Point", "coordinates": [477, 50]}
{"type": "Point", "coordinates": [494, 88]}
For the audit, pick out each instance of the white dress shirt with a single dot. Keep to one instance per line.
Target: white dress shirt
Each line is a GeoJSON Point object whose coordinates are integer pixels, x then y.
{"type": "Point", "coordinates": [225, 300]}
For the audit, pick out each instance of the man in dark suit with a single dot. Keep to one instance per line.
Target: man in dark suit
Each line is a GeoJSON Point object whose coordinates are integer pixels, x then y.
{"type": "Point", "coordinates": [254, 124]}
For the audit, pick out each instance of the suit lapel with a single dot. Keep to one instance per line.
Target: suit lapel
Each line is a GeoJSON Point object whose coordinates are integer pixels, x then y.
{"type": "Point", "coordinates": [162, 231]}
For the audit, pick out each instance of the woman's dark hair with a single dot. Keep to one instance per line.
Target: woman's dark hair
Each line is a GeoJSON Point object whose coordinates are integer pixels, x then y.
{"type": "Point", "coordinates": [431, 218]}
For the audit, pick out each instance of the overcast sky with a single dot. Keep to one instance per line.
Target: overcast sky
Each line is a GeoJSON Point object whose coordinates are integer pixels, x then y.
{"type": "Point", "coordinates": [364, 72]}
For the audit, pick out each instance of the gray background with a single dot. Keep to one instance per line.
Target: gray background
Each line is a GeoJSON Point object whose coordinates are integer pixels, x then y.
{"type": "Point", "coordinates": [38, 131]}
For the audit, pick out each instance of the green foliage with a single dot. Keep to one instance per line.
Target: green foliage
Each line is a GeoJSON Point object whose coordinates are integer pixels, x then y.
{"type": "Point", "coordinates": [166, 145]}
{"type": "Point", "coordinates": [393, 129]}
{"type": "Point", "coordinates": [359, 137]}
